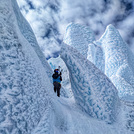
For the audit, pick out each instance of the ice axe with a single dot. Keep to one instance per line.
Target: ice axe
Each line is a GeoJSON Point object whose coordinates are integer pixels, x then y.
{"type": "Point", "coordinates": [60, 70]}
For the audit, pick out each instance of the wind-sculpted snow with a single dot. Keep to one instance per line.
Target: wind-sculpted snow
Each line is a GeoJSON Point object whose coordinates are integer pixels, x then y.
{"type": "Point", "coordinates": [93, 91]}
{"type": "Point", "coordinates": [96, 56]}
{"type": "Point", "coordinates": [113, 57]}
{"type": "Point", "coordinates": [27, 32]}
{"type": "Point", "coordinates": [79, 37]}
{"type": "Point", "coordinates": [119, 62]}
{"type": "Point", "coordinates": [24, 83]}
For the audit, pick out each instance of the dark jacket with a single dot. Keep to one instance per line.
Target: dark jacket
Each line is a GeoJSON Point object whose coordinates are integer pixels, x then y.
{"type": "Point", "coordinates": [57, 77]}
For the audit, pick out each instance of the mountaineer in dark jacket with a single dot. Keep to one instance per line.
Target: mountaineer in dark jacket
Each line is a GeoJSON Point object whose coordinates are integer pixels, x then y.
{"type": "Point", "coordinates": [57, 81]}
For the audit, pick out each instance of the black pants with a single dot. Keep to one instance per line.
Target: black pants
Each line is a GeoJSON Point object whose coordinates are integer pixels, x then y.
{"type": "Point", "coordinates": [57, 87]}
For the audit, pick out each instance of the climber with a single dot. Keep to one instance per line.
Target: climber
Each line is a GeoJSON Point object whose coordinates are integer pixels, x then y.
{"type": "Point", "coordinates": [57, 81]}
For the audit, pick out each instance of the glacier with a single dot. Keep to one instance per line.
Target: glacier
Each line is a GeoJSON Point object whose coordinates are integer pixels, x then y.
{"type": "Point", "coordinates": [27, 32]}
{"type": "Point", "coordinates": [119, 62]}
{"type": "Point", "coordinates": [28, 104]}
{"type": "Point", "coordinates": [110, 54]}
{"type": "Point", "coordinates": [96, 56]}
{"type": "Point", "coordinates": [23, 91]}
{"type": "Point", "coordinates": [79, 37]}
{"type": "Point", "coordinates": [93, 91]}
{"type": "Point", "coordinates": [115, 58]}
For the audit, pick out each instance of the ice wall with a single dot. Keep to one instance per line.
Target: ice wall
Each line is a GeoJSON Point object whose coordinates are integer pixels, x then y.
{"type": "Point", "coordinates": [24, 81]}
{"type": "Point", "coordinates": [113, 57]}
{"type": "Point", "coordinates": [96, 55]}
{"type": "Point", "coordinates": [27, 32]}
{"type": "Point", "coordinates": [93, 91]}
{"type": "Point", "coordinates": [119, 62]}
{"type": "Point", "coordinates": [79, 37]}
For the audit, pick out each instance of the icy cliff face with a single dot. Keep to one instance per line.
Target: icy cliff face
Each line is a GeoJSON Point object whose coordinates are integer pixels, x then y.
{"type": "Point", "coordinates": [96, 56]}
{"type": "Point", "coordinates": [24, 82]}
{"type": "Point", "coordinates": [79, 37]}
{"type": "Point", "coordinates": [26, 104]}
{"type": "Point", "coordinates": [93, 91]}
{"type": "Point", "coordinates": [119, 62]}
{"type": "Point", "coordinates": [110, 54]}
{"type": "Point", "coordinates": [27, 32]}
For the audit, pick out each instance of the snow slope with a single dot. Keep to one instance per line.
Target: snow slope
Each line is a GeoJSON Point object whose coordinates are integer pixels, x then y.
{"type": "Point", "coordinates": [27, 32]}
{"type": "Point", "coordinates": [24, 83]}
{"type": "Point", "coordinates": [93, 91]}
{"type": "Point", "coordinates": [119, 62]}
{"type": "Point", "coordinates": [27, 102]}
{"type": "Point", "coordinates": [79, 37]}
{"type": "Point", "coordinates": [110, 54]}
{"type": "Point", "coordinates": [67, 118]}
{"type": "Point", "coordinates": [113, 57]}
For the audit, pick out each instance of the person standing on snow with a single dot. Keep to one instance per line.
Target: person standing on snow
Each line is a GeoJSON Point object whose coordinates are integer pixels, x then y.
{"type": "Point", "coordinates": [57, 81]}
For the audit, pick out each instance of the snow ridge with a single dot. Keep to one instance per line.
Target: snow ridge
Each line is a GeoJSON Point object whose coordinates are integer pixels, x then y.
{"type": "Point", "coordinates": [79, 37]}
{"type": "Point", "coordinates": [119, 62]}
{"type": "Point", "coordinates": [93, 91]}
{"type": "Point", "coordinates": [27, 32]}
{"type": "Point", "coordinates": [26, 103]}
{"type": "Point", "coordinates": [24, 96]}
{"type": "Point", "coordinates": [96, 56]}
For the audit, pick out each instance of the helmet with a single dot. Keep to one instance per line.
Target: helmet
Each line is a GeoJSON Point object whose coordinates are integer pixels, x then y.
{"type": "Point", "coordinates": [56, 70]}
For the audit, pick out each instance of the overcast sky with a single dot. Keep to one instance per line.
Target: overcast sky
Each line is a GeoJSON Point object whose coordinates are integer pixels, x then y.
{"type": "Point", "coordinates": [49, 18]}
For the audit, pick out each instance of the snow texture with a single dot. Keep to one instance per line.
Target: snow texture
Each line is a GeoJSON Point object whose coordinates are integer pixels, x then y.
{"type": "Point", "coordinates": [96, 56]}
{"type": "Point", "coordinates": [27, 32]}
{"type": "Point", "coordinates": [79, 37]}
{"type": "Point", "coordinates": [24, 82]}
{"type": "Point", "coordinates": [119, 62]}
{"type": "Point", "coordinates": [27, 105]}
{"type": "Point", "coordinates": [110, 54]}
{"type": "Point", "coordinates": [93, 91]}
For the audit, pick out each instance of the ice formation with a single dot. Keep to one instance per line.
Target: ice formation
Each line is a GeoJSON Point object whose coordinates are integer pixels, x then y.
{"type": "Point", "coordinates": [93, 91]}
{"type": "Point", "coordinates": [24, 82]}
{"type": "Point", "coordinates": [96, 56]}
{"type": "Point", "coordinates": [79, 37]}
{"type": "Point", "coordinates": [110, 54]}
{"type": "Point", "coordinates": [119, 62]}
{"type": "Point", "coordinates": [27, 32]}
{"type": "Point", "coordinates": [27, 102]}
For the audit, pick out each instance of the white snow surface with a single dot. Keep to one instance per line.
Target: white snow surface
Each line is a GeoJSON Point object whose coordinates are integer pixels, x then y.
{"type": "Point", "coordinates": [110, 54]}
{"type": "Point", "coordinates": [24, 92]}
{"type": "Point", "coordinates": [117, 62]}
{"type": "Point", "coordinates": [27, 102]}
{"type": "Point", "coordinates": [79, 37]}
{"type": "Point", "coordinates": [93, 91]}
{"type": "Point", "coordinates": [27, 32]}
{"type": "Point", "coordinates": [96, 56]}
